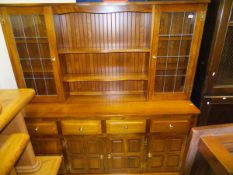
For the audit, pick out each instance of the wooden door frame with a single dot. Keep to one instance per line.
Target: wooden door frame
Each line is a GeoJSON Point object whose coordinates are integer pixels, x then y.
{"type": "Point", "coordinates": [13, 52]}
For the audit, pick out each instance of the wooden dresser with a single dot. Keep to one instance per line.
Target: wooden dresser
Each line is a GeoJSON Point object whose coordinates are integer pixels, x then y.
{"type": "Point", "coordinates": [113, 81]}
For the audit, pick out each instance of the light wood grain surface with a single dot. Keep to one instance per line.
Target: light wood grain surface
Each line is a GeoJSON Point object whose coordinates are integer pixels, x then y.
{"type": "Point", "coordinates": [110, 109]}
{"type": "Point", "coordinates": [11, 147]}
{"type": "Point", "coordinates": [12, 102]}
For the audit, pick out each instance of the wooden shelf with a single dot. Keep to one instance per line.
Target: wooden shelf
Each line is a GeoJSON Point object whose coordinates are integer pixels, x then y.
{"type": "Point", "coordinates": [107, 93]}
{"type": "Point", "coordinates": [11, 147]}
{"type": "Point", "coordinates": [72, 108]}
{"type": "Point", "coordinates": [74, 51]}
{"type": "Point", "coordinates": [94, 77]}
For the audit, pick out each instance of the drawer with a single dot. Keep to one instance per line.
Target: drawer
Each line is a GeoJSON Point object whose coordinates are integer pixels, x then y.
{"type": "Point", "coordinates": [166, 125]}
{"type": "Point", "coordinates": [125, 126]}
{"type": "Point", "coordinates": [82, 127]}
{"type": "Point", "coordinates": [42, 128]}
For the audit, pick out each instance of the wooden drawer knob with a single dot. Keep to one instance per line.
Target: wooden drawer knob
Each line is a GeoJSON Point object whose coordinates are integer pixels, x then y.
{"type": "Point", "coordinates": [126, 127]}
{"type": "Point", "coordinates": [36, 129]}
{"type": "Point", "coordinates": [149, 155]}
{"type": "Point", "coordinates": [81, 129]}
{"type": "Point", "coordinates": [109, 156]}
{"type": "Point", "coordinates": [101, 156]}
{"type": "Point", "coordinates": [171, 126]}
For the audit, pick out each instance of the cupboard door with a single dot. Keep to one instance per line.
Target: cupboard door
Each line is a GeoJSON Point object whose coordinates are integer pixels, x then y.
{"type": "Point", "coordinates": [45, 146]}
{"type": "Point", "coordinates": [125, 153]}
{"type": "Point", "coordinates": [30, 34]}
{"type": "Point", "coordinates": [165, 152]}
{"type": "Point", "coordinates": [85, 154]}
{"type": "Point", "coordinates": [175, 52]}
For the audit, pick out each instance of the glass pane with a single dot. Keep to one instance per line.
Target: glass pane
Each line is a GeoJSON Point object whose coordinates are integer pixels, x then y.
{"type": "Point", "coordinates": [32, 44]}
{"type": "Point", "coordinates": [225, 74]}
{"type": "Point", "coordinates": [231, 18]}
{"type": "Point", "coordinates": [175, 38]}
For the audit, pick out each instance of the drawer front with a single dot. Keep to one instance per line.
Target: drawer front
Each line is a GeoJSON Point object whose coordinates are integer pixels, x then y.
{"type": "Point", "coordinates": [179, 126]}
{"type": "Point", "coordinates": [125, 126]}
{"type": "Point", "coordinates": [42, 128]}
{"type": "Point", "coordinates": [74, 127]}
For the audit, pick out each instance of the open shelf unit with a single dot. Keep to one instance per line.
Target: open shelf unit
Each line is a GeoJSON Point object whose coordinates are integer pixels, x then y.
{"type": "Point", "coordinates": [108, 53]}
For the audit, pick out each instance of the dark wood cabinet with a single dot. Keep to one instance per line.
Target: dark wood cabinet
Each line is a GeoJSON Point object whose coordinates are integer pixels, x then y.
{"type": "Point", "coordinates": [213, 87]}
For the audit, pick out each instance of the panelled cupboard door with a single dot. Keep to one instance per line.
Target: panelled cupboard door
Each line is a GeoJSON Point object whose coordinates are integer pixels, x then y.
{"type": "Point", "coordinates": [165, 152]}
{"type": "Point", "coordinates": [85, 154]}
{"type": "Point", "coordinates": [32, 45]}
{"type": "Point", "coordinates": [125, 153]}
{"type": "Point", "coordinates": [176, 40]}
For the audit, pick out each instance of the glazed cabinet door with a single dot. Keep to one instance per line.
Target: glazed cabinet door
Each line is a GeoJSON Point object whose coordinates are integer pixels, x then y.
{"type": "Point", "coordinates": [125, 153]}
{"type": "Point", "coordinates": [30, 37]}
{"type": "Point", "coordinates": [176, 40]}
{"type": "Point", "coordinates": [221, 81]}
{"type": "Point", "coordinates": [85, 154]}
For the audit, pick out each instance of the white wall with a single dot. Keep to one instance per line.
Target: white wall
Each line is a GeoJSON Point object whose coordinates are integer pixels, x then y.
{"type": "Point", "coordinates": [7, 79]}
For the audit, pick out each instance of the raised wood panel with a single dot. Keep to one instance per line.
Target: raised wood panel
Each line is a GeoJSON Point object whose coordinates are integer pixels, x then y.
{"type": "Point", "coordinates": [81, 127]}
{"type": "Point", "coordinates": [116, 146]}
{"type": "Point", "coordinates": [76, 164]}
{"type": "Point", "coordinates": [42, 128]}
{"type": "Point", "coordinates": [116, 163]}
{"type": "Point", "coordinates": [81, 164]}
{"type": "Point", "coordinates": [45, 146]}
{"type": "Point", "coordinates": [125, 126]}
